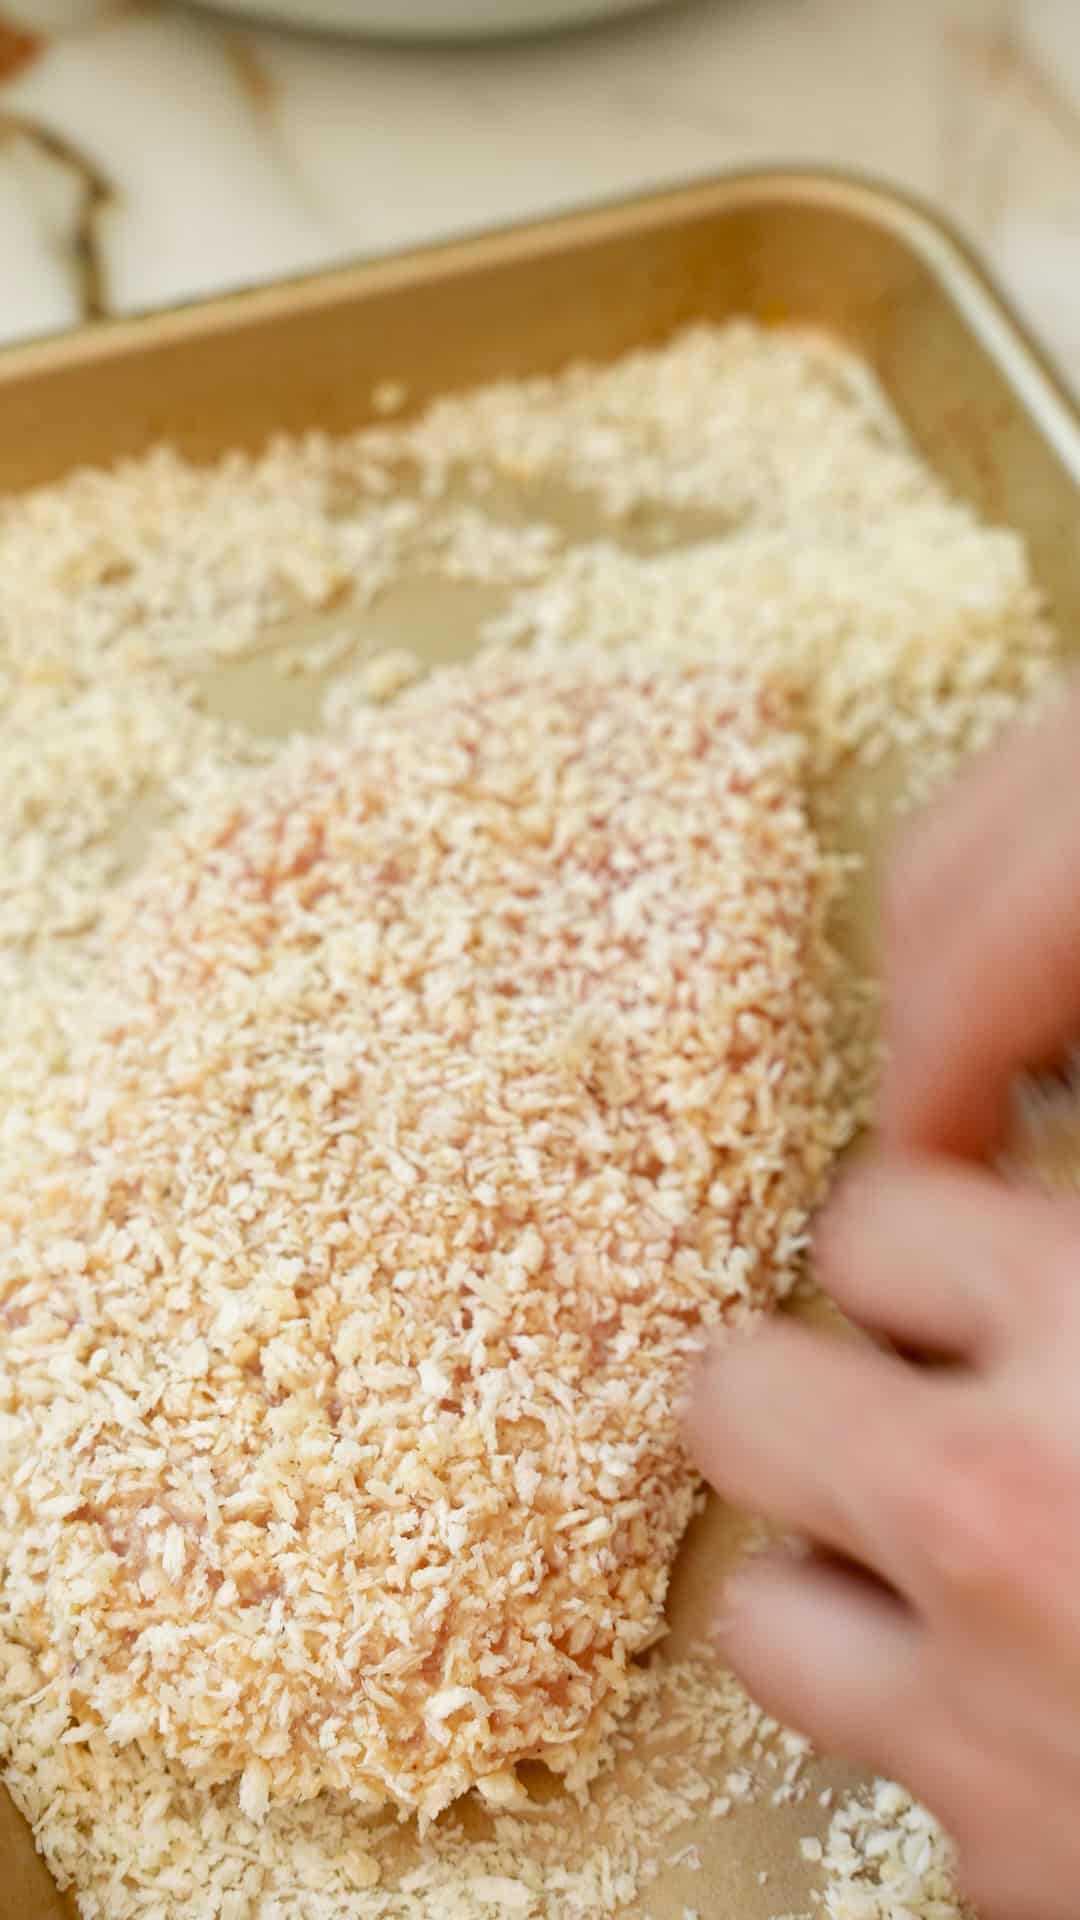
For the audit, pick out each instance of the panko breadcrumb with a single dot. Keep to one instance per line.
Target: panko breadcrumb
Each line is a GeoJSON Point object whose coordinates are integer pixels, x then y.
{"type": "Point", "coordinates": [885, 1856]}
{"type": "Point", "coordinates": [742, 490]}
{"type": "Point", "coordinates": [198, 1855]}
{"type": "Point", "coordinates": [884, 654]}
{"type": "Point", "coordinates": [448, 1083]}
{"type": "Point", "coordinates": [739, 494]}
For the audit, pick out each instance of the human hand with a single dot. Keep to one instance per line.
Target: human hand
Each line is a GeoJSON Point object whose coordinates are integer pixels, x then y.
{"type": "Point", "coordinates": [982, 943]}
{"type": "Point", "coordinates": [933, 1632]}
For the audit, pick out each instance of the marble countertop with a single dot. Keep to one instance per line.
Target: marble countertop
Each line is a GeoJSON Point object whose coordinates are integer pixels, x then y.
{"type": "Point", "coordinates": [150, 151]}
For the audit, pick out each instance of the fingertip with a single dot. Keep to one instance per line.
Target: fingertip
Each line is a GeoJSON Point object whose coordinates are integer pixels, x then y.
{"type": "Point", "coordinates": [698, 1403]}
{"type": "Point", "coordinates": [860, 1207]}
{"type": "Point", "coordinates": [944, 1089]}
{"type": "Point", "coordinates": [751, 1628]}
{"type": "Point", "coordinates": [832, 1224]}
{"type": "Point", "coordinates": [727, 1607]}
{"type": "Point", "coordinates": [825, 1651]}
{"type": "Point", "coordinates": [715, 1390]}
{"type": "Point", "coordinates": [747, 1588]}
{"type": "Point", "coordinates": [736, 1611]}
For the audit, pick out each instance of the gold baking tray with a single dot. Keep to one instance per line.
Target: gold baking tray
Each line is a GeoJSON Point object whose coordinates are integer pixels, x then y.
{"type": "Point", "coordinates": [861, 262]}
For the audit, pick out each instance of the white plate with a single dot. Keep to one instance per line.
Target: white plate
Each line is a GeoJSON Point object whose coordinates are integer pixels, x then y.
{"type": "Point", "coordinates": [437, 19]}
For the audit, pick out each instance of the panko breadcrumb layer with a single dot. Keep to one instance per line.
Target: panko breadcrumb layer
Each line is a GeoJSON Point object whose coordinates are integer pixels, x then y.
{"type": "Point", "coordinates": [446, 1086]}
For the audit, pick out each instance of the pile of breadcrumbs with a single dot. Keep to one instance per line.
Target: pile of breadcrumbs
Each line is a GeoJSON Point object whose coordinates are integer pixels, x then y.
{"type": "Point", "coordinates": [376, 1152]}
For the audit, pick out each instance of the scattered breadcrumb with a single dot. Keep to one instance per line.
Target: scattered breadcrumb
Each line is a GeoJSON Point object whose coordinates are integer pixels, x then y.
{"type": "Point", "coordinates": [739, 490]}
{"type": "Point", "coordinates": [388, 674]}
{"type": "Point", "coordinates": [886, 1856]}
{"type": "Point", "coordinates": [314, 658]}
{"type": "Point", "coordinates": [127, 1829]}
{"type": "Point", "coordinates": [756, 425]}
{"type": "Point", "coordinates": [885, 654]}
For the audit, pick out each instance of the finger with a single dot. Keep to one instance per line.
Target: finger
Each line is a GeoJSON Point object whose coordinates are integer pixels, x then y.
{"type": "Point", "coordinates": [936, 869]}
{"type": "Point", "coordinates": [820, 1436]}
{"type": "Point", "coordinates": [932, 1254]}
{"type": "Point", "coordinates": [983, 948]}
{"type": "Point", "coordinates": [829, 1654]}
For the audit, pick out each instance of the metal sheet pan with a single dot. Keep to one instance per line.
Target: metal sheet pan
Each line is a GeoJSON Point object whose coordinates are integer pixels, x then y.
{"type": "Point", "coordinates": [873, 268]}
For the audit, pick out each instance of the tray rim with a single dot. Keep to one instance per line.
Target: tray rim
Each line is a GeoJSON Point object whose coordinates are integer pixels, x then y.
{"type": "Point", "coordinates": [931, 236]}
